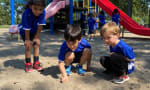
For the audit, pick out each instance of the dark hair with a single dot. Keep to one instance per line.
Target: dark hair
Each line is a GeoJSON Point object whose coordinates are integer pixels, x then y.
{"type": "Point", "coordinates": [115, 11]}
{"type": "Point", "coordinates": [36, 2]}
{"type": "Point", "coordinates": [102, 12]}
{"type": "Point", "coordinates": [73, 33]}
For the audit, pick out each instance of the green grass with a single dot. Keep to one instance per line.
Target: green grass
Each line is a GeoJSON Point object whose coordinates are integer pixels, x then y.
{"type": "Point", "coordinates": [4, 26]}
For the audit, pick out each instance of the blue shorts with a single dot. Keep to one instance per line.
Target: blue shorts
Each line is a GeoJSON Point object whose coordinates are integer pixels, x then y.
{"type": "Point", "coordinates": [77, 57]}
{"type": "Point", "coordinates": [91, 32]}
{"type": "Point", "coordinates": [31, 37]}
{"type": "Point", "coordinates": [131, 67]}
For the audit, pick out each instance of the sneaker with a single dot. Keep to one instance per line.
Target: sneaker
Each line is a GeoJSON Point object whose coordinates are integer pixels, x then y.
{"type": "Point", "coordinates": [80, 70]}
{"type": "Point", "coordinates": [121, 79]}
{"type": "Point", "coordinates": [68, 70]}
{"type": "Point", "coordinates": [88, 39]}
{"type": "Point", "coordinates": [37, 65]}
{"type": "Point", "coordinates": [28, 67]}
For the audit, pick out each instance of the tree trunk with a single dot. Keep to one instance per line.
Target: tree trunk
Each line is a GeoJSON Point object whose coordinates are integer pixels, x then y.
{"type": "Point", "coordinates": [129, 5]}
{"type": "Point", "coordinates": [149, 18]}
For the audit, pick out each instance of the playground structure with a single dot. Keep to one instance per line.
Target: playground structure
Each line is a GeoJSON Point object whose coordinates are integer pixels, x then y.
{"type": "Point", "coordinates": [51, 9]}
{"type": "Point", "coordinates": [125, 21]}
{"type": "Point", "coordinates": [80, 7]}
{"type": "Point", "coordinates": [76, 7]}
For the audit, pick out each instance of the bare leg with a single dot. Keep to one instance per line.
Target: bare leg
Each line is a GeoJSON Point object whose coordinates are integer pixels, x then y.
{"type": "Point", "coordinates": [28, 52]}
{"type": "Point", "coordinates": [86, 56]}
{"type": "Point", "coordinates": [89, 36]}
{"type": "Point", "coordinates": [92, 36]}
{"type": "Point", "coordinates": [36, 50]}
{"type": "Point", "coordinates": [69, 58]}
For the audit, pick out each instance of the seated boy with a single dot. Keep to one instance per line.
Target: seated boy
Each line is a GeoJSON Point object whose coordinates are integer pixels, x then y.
{"type": "Point", "coordinates": [74, 50]}
{"type": "Point", "coordinates": [121, 59]}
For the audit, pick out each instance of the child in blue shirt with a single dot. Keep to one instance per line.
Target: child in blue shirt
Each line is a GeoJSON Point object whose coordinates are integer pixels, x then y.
{"type": "Point", "coordinates": [101, 19]}
{"type": "Point", "coordinates": [116, 16]}
{"type": "Point", "coordinates": [121, 59]}
{"type": "Point", "coordinates": [30, 27]}
{"type": "Point", "coordinates": [74, 49]}
{"type": "Point", "coordinates": [91, 25]}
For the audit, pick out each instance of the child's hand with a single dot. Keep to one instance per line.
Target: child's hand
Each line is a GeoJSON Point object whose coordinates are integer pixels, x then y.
{"type": "Point", "coordinates": [27, 43]}
{"type": "Point", "coordinates": [112, 53]}
{"type": "Point", "coordinates": [64, 79]}
{"type": "Point", "coordinates": [37, 41]}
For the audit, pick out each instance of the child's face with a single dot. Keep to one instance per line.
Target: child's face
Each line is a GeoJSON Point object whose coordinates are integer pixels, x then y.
{"type": "Point", "coordinates": [109, 38]}
{"type": "Point", "coordinates": [37, 10]}
{"type": "Point", "coordinates": [72, 44]}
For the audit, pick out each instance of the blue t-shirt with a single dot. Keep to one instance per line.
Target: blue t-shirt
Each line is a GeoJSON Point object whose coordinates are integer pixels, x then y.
{"type": "Point", "coordinates": [91, 23]}
{"type": "Point", "coordinates": [102, 19]}
{"type": "Point", "coordinates": [115, 18]}
{"type": "Point", "coordinates": [30, 22]}
{"type": "Point", "coordinates": [127, 51]}
{"type": "Point", "coordinates": [64, 48]}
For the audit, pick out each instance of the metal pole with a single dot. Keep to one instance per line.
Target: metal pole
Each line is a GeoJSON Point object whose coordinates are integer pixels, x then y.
{"type": "Point", "coordinates": [71, 12]}
{"type": "Point", "coordinates": [149, 13]}
{"type": "Point", "coordinates": [83, 4]}
{"type": "Point", "coordinates": [51, 23]}
{"type": "Point", "coordinates": [90, 4]}
{"type": "Point", "coordinates": [149, 16]}
{"type": "Point", "coordinates": [12, 12]}
{"type": "Point", "coordinates": [95, 6]}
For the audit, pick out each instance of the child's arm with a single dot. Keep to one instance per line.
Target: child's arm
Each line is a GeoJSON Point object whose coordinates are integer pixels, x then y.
{"type": "Point", "coordinates": [63, 72]}
{"type": "Point", "coordinates": [129, 60]}
{"type": "Point", "coordinates": [40, 27]}
{"type": "Point", "coordinates": [36, 38]}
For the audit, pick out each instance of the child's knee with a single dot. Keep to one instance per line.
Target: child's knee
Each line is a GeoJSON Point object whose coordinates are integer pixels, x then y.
{"type": "Point", "coordinates": [36, 46]}
{"type": "Point", "coordinates": [87, 51]}
{"type": "Point", "coordinates": [28, 48]}
{"type": "Point", "coordinates": [102, 60]}
{"type": "Point", "coordinates": [69, 56]}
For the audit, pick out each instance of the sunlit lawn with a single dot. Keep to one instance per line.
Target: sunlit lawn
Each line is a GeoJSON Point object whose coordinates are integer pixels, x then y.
{"type": "Point", "coordinates": [4, 26]}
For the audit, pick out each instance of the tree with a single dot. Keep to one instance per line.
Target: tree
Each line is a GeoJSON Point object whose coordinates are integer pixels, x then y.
{"type": "Point", "coordinates": [129, 11]}
{"type": "Point", "coordinates": [139, 11]}
{"type": "Point", "coordinates": [136, 9]}
{"type": "Point", "coordinates": [5, 12]}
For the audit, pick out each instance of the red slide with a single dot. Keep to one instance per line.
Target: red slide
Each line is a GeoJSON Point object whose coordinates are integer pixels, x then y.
{"type": "Point", "coordinates": [54, 7]}
{"type": "Point", "coordinates": [125, 20]}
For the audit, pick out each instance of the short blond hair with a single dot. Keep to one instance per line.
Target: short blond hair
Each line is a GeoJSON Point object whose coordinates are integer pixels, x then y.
{"type": "Point", "coordinates": [111, 27]}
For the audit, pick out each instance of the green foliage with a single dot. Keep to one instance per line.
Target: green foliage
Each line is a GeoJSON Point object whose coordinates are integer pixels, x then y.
{"type": "Point", "coordinates": [122, 4]}
{"type": "Point", "coordinates": [139, 9]}
{"type": "Point", "coordinates": [19, 8]}
{"type": "Point", "coordinates": [5, 12]}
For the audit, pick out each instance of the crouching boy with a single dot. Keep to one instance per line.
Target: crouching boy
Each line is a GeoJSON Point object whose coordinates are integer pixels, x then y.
{"type": "Point", "coordinates": [74, 49]}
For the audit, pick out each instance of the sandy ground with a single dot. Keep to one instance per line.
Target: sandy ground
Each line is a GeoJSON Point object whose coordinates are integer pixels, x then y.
{"type": "Point", "coordinates": [13, 76]}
